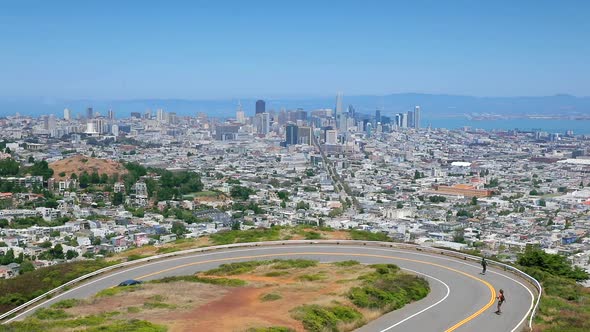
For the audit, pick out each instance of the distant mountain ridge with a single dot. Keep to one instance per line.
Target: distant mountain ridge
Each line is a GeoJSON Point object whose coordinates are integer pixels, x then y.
{"type": "Point", "coordinates": [432, 104]}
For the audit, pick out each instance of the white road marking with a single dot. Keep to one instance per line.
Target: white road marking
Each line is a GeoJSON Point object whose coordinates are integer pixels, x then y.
{"type": "Point", "coordinates": [284, 247]}
{"type": "Point", "coordinates": [425, 309]}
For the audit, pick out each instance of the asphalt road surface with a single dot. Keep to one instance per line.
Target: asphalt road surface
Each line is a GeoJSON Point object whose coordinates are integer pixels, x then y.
{"type": "Point", "coordinates": [461, 299]}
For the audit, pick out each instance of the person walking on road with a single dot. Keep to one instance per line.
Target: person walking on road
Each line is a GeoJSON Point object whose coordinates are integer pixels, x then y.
{"type": "Point", "coordinates": [501, 300]}
{"type": "Point", "coordinates": [484, 265]}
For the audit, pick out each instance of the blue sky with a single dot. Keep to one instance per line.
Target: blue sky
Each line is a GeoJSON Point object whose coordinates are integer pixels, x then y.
{"type": "Point", "coordinates": [233, 49]}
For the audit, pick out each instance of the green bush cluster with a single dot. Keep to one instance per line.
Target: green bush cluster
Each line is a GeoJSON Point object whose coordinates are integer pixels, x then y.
{"type": "Point", "coordinates": [55, 320]}
{"type": "Point", "coordinates": [368, 236]}
{"type": "Point", "coordinates": [250, 235]}
{"type": "Point", "coordinates": [318, 318]}
{"type": "Point", "coordinates": [312, 277]}
{"type": "Point", "coordinates": [387, 289]}
{"type": "Point", "coordinates": [283, 264]}
{"type": "Point", "coordinates": [212, 281]}
{"type": "Point", "coordinates": [236, 268]}
{"type": "Point", "coordinates": [347, 263]}
{"type": "Point", "coordinates": [555, 264]}
{"type": "Point", "coordinates": [270, 297]}
{"type": "Point", "coordinates": [16, 291]}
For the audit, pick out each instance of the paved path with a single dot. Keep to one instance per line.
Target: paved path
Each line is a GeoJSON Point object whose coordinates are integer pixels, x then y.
{"type": "Point", "coordinates": [460, 299]}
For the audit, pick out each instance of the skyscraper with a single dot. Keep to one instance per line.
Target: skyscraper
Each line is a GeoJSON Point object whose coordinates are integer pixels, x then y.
{"type": "Point", "coordinates": [291, 134]}
{"type": "Point", "coordinates": [377, 116]}
{"type": "Point", "coordinates": [331, 137]}
{"type": "Point", "coordinates": [67, 114]}
{"type": "Point", "coordinates": [240, 116]}
{"type": "Point", "coordinates": [338, 115]}
{"type": "Point", "coordinates": [89, 113]}
{"type": "Point", "coordinates": [417, 117]}
{"type": "Point", "coordinates": [111, 114]}
{"type": "Point", "coordinates": [260, 106]}
{"type": "Point", "coordinates": [160, 115]}
{"type": "Point", "coordinates": [411, 119]}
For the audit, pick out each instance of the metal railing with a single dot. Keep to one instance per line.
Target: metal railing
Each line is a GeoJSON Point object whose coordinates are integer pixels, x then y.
{"type": "Point", "coordinates": [397, 245]}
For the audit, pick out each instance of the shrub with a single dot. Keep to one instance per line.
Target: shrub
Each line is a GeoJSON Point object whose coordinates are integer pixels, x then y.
{"type": "Point", "coordinates": [283, 264]}
{"type": "Point", "coordinates": [45, 314]}
{"type": "Point", "coordinates": [368, 236]}
{"type": "Point", "coordinates": [212, 281]}
{"type": "Point", "coordinates": [270, 297]}
{"type": "Point", "coordinates": [317, 318]}
{"type": "Point", "coordinates": [387, 289]}
{"type": "Point", "coordinates": [346, 263]}
{"type": "Point", "coordinates": [312, 277]}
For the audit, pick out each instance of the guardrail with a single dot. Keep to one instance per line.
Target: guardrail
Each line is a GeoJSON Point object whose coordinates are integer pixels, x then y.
{"type": "Point", "coordinates": [406, 246]}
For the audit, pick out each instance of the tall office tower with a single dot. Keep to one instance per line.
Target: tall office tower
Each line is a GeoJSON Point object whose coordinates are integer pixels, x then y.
{"type": "Point", "coordinates": [147, 115]}
{"type": "Point", "coordinates": [351, 112]}
{"type": "Point", "coordinates": [45, 122]}
{"type": "Point", "coordinates": [160, 115]}
{"type": "Point", "coordinates": [304, 135]}
{"type": "Point", "coordinates": [172, 118]}
{"type": "Point", "coordinates": [67, 114]}
{"type": "Point", "coordinates": [110, 114]}
{"type": "Point", "coordinates": [115, 130]}
{"type": "Point", "coordinates": [417, 117]}
{"type": "Point", "coordinates": [260, 106]}
{"type": "Point", "coordinates": [291, 134]}
{"type": "Point", "coordinates": [411, 119]}
{"type": "Point", "coordinates": [240, 115]}
{"type": "Point", "coordinates": [331, 137]}
{"type": "Point", "coordinates": [51, 122]}
{"type": "Point", "coordinates": [404, 120]}
{"type": "Point", "coordinates": [100, 125]}
{"type": "Point", "coordinates": [377, 116]}
{"type": "Point", "coordinates": [369, 129]}
{"type": "Point", "coordinates": [338, 115]}
{"type": "Point", "coordinates": [89, 113]}
{"type": "Point", "coordinates": [265, 123]}
{"type": "Point", "coordinates": [282, 117]}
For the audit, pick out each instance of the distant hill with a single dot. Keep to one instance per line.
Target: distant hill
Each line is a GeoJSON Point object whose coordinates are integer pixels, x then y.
{"type": "Point", "coordinates": [432, 105]}
{"type": "Point", "coordinates": [79, 163]}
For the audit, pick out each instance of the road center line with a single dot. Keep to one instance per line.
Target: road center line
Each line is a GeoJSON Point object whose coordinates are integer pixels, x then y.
{"type": "Point", "coordinates": [452, 328]}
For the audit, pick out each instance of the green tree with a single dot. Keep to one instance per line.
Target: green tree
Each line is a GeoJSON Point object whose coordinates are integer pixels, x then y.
{"type": "Point", "coordinates": [7, 258]}
{"type": "Point", "coordinates": [240, 192]}
{"type": "Point", "coordinates": [474, 200]}
{"type": "Point", "coordinates": [94, 178]}
{"type": "Point", "coordinates": [46, 244]}
{"type": "Point", "coordinates": [26, 266]}
{"type": "Point", "coordinates": [71, 254]}
{"type": "Point", "coordinates": [41, 168]}
{"type": "Point", "coordinates": [179, 229]}
{"type": "Point", "coordinates": [284, 195]}
{"type": "Point", "coordinates": [118, 199]}
{"type": "Point", "coordinates": [84, 179]}
{"type": "Point", "coordinates": [554, 264]}
{"type": "Point", "coordinates": [57, 252]}
{"type": "Point", "coordinates": [9, 167]}
{"type": "Point", "coordinates": [235, 226]}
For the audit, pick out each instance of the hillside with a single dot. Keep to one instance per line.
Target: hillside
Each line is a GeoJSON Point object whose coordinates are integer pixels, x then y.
{"type": "Point", "coordinates": [265, 295]}
{"type": "Point", "coordinates": [79, 163]}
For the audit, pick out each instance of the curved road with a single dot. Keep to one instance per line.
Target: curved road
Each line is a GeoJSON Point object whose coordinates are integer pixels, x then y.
{"type": "Point", "coordinates": [460, 299]}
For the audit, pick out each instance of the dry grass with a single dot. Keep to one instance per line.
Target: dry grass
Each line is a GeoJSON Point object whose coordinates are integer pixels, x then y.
{"type": "Point", "coordinates": [79, 163]}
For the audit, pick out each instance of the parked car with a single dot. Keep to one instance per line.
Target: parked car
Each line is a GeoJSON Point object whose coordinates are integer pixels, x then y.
{"type": "Point", "coordinates": [130, 282]}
